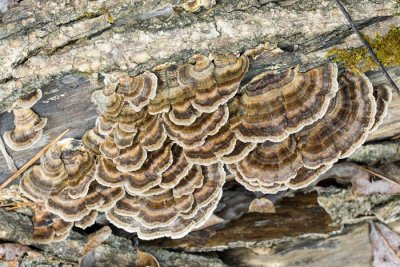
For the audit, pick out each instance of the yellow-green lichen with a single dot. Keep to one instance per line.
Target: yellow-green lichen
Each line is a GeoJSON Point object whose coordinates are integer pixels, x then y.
{"type": "Point", "coordinates": [387, 49]}
{"type": "Point", "coordinates": [107, 15]}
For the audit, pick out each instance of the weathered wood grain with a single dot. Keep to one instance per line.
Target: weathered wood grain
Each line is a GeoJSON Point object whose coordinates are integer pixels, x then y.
{"type": "Point", "coordinates": [294, 216]}
{"type": "Point", "coordinates": [351, 248]}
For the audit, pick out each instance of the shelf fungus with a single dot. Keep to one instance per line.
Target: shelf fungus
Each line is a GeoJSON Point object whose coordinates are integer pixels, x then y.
{"type": "Point", "coordinates": [66, 166]}
{"type": "Point", "coordinates": [194, 135]}
{"type": "Point", "coordinates": [383, 97]}
{"type": "Point", "coordinates": [299, 159]}
{"type": "Point", "coordinates": [200, 86]}
{"type": "Point", "coordinates": [168, 214]}
{"type": "Point", "coordinates": [214, 148]}
{"type": "Point", "coordinates": [173, 98]}
{"type": "Point", "coordinates": [139, 90]}
{"type": "Point", "coordinates": [214, 82]}
{"type": "Point", "coordinates": [156, 158]}
{"type": "Point", "coordinates": [140, 180]}
{"type": "Point", "coordinates": [28, 125]}
{"type": "Point", "coordinates": [48, 227]}
{"type": "Point", "coordinates": [64, 188]}
{"type": "Point", "coordinates": [273, 106]}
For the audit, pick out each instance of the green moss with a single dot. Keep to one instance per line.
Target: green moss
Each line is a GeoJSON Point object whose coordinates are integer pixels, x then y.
{"type": "Point", "coordinates": [107, 15]}
{"type": "Point", "coordinates": [387, 49]}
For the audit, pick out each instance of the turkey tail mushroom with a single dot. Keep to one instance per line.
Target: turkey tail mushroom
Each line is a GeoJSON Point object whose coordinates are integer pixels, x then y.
{"type": "Point", "coordinates": [273, 106]}
{"type": "Point", "coordinates": [169, 214]}
{"type": "Point", "coordinates": [299, 159]}
{"type": "Point", "coordinates": [383, 97]}
{"type": "Point", "coordinates": [28, 125]}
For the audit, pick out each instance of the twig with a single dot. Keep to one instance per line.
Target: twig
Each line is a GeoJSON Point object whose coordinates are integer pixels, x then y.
{"type": "Point", "coordinates": [377, 174]}
{"type": "Point", "coordinates": [7, 157]}
{"type": "Point", "coordinates": [366, 44]}
{"type": "Point", "coordinates": [32, 161]}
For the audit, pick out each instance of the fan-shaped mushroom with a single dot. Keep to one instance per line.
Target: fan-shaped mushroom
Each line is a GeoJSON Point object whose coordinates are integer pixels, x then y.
{"type": "Point", "coordinates": [195, 134]}
{"type": "Point", "coordinates": [135, 182]}
{"type": "Point", "coordinates": [299, 159]}
{"type": "Point", "coordinates": [383, 97]}
{"type": "Point", "coordinates": [139, 90]}
{"type": "Point", "coordinates": [273, 106]}
{"type": "Point", "coordinates": [29, 100]}
{"type": "Point", "coordinates": [65, 166]}
{"type": "Point", "coordinates": [168, 215]}
{"type": "Point", "coordinates": [28, 125]}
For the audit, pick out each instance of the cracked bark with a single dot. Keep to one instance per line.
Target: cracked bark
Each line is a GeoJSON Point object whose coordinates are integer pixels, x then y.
{"type": "Point", "coordinates": [61, 47]}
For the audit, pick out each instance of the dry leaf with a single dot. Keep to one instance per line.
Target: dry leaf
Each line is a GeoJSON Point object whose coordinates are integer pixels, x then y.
{"type": "Point", "coordinates": [12, 251]}
{"type": "Point", "coordinates": [360, 179]}
{"type": "Point", "coordinates": [262, 205]}
{"type": "Point", "coordinates": [145, 259]}
{"type": "Point", "coordinates": [96, 238]}
{"type": "Point", "coordinates": [385, 246]}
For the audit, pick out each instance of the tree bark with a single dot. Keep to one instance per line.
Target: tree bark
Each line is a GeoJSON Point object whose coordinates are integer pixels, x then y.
{"type": "Point", "coordinates": [63, 46]}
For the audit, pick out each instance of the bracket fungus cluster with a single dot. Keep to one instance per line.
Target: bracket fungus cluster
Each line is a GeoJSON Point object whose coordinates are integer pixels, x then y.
{"type": "Point", "coordinates": [156, 161]}
{"type": "Point", "coordinates": [28, 125]}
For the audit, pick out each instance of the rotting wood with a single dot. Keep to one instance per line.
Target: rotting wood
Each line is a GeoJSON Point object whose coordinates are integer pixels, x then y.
{"type": "Point", "coordinates": [279, 242]}
{"type": "Point", "coordinates": [294, 216]}
{"type": "Point", "coordinates": [351, 248]}
{"type": "Point", "coordinates": [115, 251]}
{"type": "Point", "coordinates": [229, 26]}
{"type": "Point", "coordinates": [67, 102]}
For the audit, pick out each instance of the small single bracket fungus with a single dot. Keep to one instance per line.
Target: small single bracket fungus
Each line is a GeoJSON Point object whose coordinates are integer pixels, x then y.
{"type": "Point", "coordinates": [169, 215]}
{"type": "Point", "coordinates": [273, 106]}
{"type": "Point", "coordinates": [29, 100]}
{"type": "Point", "coordinates": [383, 97]}
{"type": "Point", "coordinates": [271, 163]}
{"type": "Point", "coordinates": [92, 140]}
{"type": "Point", "coordinates": [108, 105]}
{"type": "Point", "coordinates": [28, 125]}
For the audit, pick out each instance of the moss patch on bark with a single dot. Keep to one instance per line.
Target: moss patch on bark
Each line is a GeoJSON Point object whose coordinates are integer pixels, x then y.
{"type": "Point", "coordinates": [386, 47]}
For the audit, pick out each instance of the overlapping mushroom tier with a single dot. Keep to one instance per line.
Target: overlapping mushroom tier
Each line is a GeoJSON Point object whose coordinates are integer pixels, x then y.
{"type": "Point", "coordinates": [156, 160]}
{"type": "Point", "coordinates": [28, 125]}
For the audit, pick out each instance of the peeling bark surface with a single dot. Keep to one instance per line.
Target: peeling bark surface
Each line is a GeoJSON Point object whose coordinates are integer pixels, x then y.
{"type": "Point", "coordinates": [63, 47]}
